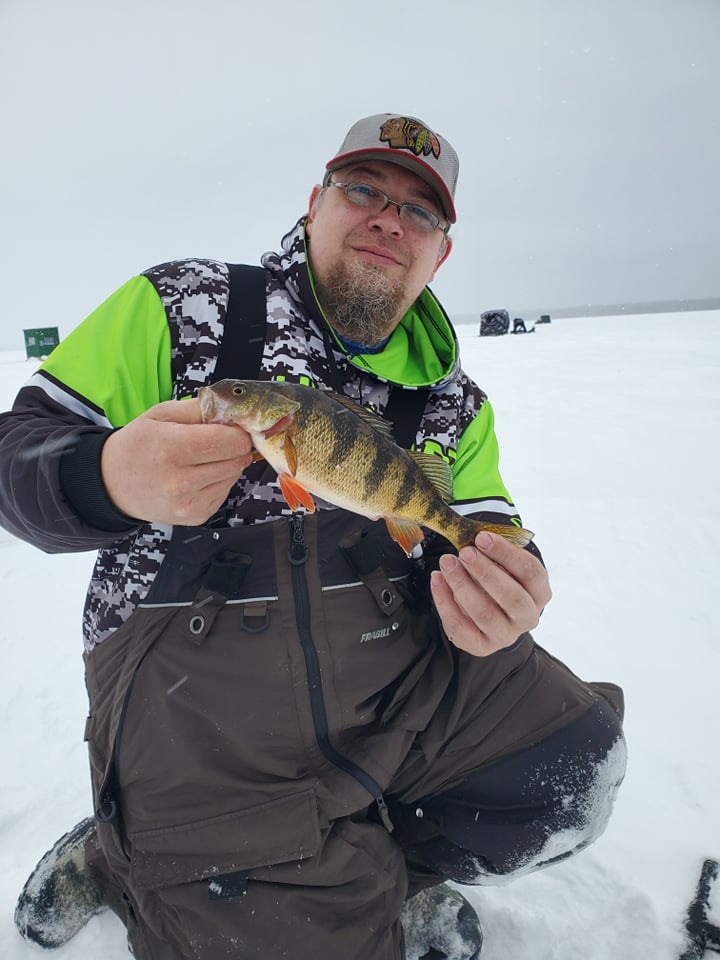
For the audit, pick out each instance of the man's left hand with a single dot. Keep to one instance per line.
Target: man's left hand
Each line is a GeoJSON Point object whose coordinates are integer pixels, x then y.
{"type": "Point", "coordinates": [489, 594]}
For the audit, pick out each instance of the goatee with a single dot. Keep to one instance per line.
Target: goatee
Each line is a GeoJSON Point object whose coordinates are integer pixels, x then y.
{"type": "Point", "coordinates": [361, 302]}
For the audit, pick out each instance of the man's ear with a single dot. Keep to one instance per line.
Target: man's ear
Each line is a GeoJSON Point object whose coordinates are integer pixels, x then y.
{"type": "Point", "coordinates": [442, 255]}
{"type": "Point", "coordinates": [312, 205]}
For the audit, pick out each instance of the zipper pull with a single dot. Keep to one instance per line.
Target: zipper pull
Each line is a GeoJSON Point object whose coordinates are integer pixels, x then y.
{"type": "Point", "coordinates": [384, 814]}
{"type": "Point", "coordinates": [298, 552]}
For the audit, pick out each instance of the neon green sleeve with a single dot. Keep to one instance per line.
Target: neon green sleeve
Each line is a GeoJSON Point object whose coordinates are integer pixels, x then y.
{"type": "Point", "coordinates": [476, 472]}
{"type": "Point", "coordinates": [119, 358]}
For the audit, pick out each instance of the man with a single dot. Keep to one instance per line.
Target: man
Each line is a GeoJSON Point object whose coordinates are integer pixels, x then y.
{"type": "Point", "coordinates": [294, 728]}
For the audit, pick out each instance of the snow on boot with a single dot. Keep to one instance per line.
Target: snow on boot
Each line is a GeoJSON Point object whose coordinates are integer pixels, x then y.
{"type": "Point", "coordinates": [440, 924]}
{"type": "Point", "coordinates": [59, 897]}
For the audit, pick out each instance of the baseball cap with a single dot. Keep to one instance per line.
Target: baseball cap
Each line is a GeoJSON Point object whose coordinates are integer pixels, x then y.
{"type": "Point", "coordinates": [408, 142]}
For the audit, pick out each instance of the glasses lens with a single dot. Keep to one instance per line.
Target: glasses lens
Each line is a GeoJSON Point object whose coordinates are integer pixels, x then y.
{"type": "Point", "coordinates": [364, 195]}
{"type": "Point", "coordinates": [419, 217]}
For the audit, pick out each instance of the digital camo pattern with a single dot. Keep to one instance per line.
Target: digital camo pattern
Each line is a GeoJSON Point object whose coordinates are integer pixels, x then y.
{"type": "Point", "coordinates": [120, 580]}
{"type": "Point", "coordinates": [195, 296]}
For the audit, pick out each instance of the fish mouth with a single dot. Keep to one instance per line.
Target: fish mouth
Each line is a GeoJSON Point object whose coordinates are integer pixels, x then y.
{"type": "Point", "coordinates": [213, 409]}
{"type": "Point", "coordinates": [207, 404]}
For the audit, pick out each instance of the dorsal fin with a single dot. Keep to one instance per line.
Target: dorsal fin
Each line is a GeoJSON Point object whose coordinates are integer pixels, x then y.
{"type": "Point", "coordinates": [383, 427]}
{"type": "Point", "coordinates": [437, 470]}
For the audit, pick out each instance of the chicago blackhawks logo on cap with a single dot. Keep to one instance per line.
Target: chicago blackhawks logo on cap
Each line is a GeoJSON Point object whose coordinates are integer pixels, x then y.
{"type": "Point", "coordinates": [405, 133]}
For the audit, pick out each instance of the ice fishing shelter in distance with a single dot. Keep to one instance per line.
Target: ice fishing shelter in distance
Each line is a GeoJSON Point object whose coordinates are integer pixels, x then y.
{"type": "Point", "coordinates": [493, 323]}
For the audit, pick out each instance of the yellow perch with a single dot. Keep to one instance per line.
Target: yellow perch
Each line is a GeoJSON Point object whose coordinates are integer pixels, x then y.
{"type": "Point", "coordinates": [324, 444]}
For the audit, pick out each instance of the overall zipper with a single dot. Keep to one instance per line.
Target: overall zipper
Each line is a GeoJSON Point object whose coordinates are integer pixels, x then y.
{"type": "Point", "coordinates": [297, 555]}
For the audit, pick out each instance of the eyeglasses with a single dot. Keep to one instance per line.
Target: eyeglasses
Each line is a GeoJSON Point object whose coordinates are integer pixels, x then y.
{"type": "Point", "coordinates": [413, 216]}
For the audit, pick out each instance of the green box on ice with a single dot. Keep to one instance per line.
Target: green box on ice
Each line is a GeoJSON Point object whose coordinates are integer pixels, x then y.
{"type": "Point", "coordinates": [40, 341]}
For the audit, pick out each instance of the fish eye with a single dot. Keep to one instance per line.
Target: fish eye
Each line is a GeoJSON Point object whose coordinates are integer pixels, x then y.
{"type": "Point", "coordinates": [238, 390]}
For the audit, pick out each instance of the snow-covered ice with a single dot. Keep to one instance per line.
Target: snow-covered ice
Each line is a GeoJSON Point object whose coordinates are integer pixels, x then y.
{"type": "Point", "coordinates": [609, 432]}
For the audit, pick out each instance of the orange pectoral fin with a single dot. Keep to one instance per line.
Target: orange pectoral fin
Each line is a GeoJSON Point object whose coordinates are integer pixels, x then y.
{"type": "Point", "coordinates": [290, 453]}
{"type": "Point", "coordinates": [405, 533]}
{"type": "Point", "coordinates": [295, 494]}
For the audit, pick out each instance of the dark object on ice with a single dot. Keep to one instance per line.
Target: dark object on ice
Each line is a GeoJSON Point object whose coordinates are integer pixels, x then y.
{"type": "Point", "coordinates": [494, 323]}
{"type": "Point", "coordinates": [545, 318]}
{"type": "Point", "coordinates": [439, 924]}
{"type": "Point", "coordinates": [59, 897]}
{"type": "Point", "coordinates": [519, 326]}
{"type": "Point", "coordinates": [40, 341]}
{"type": "Point", "coordinates": [702, 934]}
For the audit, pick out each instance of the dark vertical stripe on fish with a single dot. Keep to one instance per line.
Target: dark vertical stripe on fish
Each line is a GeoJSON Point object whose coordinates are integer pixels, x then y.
{"type": "Point", "coordinates": [376, 471]}
{"type": "Point", "coordinates": [338, 451]}
{"type": "Point", "coordinates": [406, 489]}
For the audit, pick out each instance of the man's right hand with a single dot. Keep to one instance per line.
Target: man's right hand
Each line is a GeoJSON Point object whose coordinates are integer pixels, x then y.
{"type": "Point", "coordinates": [169, 467]}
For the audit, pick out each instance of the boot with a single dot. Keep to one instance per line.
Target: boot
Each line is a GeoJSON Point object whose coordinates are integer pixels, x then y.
{"type": "Point", "coordinates": [59, 897]}
{"type": "Point", "coordinates": [440, 924]}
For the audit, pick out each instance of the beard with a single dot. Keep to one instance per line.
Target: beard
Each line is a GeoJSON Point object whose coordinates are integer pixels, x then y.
{"type": "Point", "coordinates": [361, 302]}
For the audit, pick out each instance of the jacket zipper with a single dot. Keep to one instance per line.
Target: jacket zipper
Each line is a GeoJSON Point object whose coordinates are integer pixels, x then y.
{"type": "Point", "coordinates": [298, 554]}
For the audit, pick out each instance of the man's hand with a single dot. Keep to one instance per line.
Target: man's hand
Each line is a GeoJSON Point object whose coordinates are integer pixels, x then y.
{"type": "Point", "coordinates": [489, 594]}
{"type": "Point", "coordinates": [167, 466]}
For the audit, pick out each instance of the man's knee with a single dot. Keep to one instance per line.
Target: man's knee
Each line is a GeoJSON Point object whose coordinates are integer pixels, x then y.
{"type": "Point", "coordinates": [530, 809]}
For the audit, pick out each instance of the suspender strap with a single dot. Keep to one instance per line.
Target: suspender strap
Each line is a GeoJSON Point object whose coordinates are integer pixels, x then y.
{"type": "Point", "coordinates": [404, 410]}
{"type": "Point", "coordinates": [243, 339]}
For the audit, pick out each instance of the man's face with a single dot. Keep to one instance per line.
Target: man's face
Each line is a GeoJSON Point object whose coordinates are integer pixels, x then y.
{"type": "Point", "coordinates": [370, 267]}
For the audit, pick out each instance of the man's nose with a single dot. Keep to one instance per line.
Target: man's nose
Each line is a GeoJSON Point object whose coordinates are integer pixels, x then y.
{"type": "Point", "coordinates": [388, 219]}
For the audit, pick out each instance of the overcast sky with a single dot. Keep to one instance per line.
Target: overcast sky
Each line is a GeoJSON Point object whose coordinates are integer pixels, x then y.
{"type": "Point", "coordinates": [143, 131]}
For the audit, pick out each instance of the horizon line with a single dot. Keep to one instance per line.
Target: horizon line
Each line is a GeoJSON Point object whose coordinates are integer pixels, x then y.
{"type": "Point", "coordinates": [606, 309]}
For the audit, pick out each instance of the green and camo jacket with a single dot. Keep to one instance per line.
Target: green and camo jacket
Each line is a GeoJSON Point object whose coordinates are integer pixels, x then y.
{"type": "Point", "coordinates": [157, 338]}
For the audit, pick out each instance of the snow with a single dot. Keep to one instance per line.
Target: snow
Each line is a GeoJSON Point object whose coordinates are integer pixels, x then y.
{"type": "Point", "coordinates": [609, 443]}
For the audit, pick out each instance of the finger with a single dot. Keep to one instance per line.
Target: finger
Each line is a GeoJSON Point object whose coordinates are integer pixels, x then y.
{"type": "Point", "coordinates": [486, 580]}
{"type": "Point", "coordinates": [203, 476]}
{"type": "Point", "coordinates": [188, 413]}
{"type": "Point", "coordinates": [176, 411]}
{"type": "Point", "coordinates": [463, 632]}
{"type": "Point", "coordinates": [213, 442]}
{"type": "Point", "coordinates": [522, 565]}
{"type": "Point", "coordinates": [454, 619]}
{"type": "Point", "coordinates": [185, 444]}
